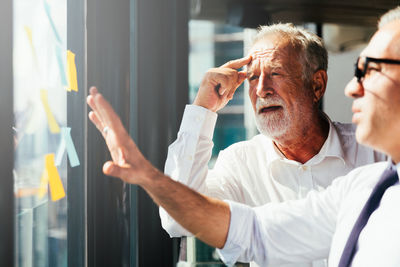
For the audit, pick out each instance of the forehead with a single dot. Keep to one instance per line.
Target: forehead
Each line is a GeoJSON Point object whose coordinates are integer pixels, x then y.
{"type": "Point", "coordinates": [385, 43]}
{"type": "Point", "coordinates": [272, 52]}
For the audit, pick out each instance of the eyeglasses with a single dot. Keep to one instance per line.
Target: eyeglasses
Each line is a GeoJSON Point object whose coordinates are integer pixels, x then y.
{"type": "Point", "coordinates": [360, 73]}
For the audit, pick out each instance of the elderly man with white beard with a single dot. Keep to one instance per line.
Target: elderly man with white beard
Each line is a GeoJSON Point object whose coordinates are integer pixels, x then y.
{"type": "Point", "coordinates": [298, 149]}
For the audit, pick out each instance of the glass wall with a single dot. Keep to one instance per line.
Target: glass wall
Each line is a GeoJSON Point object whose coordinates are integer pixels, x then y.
{"type": "Point", "coordinates": [42, 138]}
{"type": "Point", "coordinates": [67, 212]}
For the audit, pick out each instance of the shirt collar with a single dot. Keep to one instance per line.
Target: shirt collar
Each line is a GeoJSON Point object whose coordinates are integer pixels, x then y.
{"type": "Point", "coordinates": [331, 148]}
{"type": "Point", "coordinates": [273, 153]}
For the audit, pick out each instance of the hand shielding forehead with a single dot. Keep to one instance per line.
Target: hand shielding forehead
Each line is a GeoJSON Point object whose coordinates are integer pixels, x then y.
{"type": "Point", "coordinates": [238, 63]}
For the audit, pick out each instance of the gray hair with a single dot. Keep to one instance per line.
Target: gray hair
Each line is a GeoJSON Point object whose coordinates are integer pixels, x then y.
{"type": "Point", "coordinates": [312, 49]}
{"type": "Point", "coordinates": [391, 15]}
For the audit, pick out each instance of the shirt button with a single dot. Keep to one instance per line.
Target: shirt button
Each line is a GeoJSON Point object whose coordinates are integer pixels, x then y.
{"type": "Point", "coordinates": [198, 119]}
{"type": "Point", "coordinates": [304, 168]}
{"type": "Point", "coordinates": [189, 157]}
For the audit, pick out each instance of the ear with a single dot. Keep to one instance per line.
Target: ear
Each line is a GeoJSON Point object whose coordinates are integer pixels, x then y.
{"type": "Point", "coordinates": [319, 81]}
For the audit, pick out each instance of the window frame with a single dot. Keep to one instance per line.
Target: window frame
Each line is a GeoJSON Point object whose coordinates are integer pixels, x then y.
{"type": "Point", "coordinates": [6, 136]}
{"type": "Point", "coordinates": [76, 102]}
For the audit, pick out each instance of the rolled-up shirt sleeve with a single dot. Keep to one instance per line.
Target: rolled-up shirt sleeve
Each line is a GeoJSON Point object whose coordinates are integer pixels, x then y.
{"type": "Point", "coordinates": [242, 231]}
{"type": "Point", "coordinates": [188, 157]}
{"type": "Point", "coordinates": [279, 233]}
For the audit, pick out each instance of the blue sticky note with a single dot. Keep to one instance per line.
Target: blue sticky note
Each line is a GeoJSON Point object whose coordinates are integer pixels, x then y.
{"type": "Point", "coordinates": [66, 143]}
{"type": "Point", "coordinates": [61, 66]}
{"type": "Point", "coordinates": [72, 155]}
{"type": "Point", "coordinates": [60, 151]}
{"type": "Point", "coordinates": [53, 26]}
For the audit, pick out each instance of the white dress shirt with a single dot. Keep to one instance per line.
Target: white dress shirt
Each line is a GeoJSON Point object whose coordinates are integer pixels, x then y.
{"type": "Point", "coordinates": [318, 225]}
{"type": "Point", "coordinates": [254, 172]}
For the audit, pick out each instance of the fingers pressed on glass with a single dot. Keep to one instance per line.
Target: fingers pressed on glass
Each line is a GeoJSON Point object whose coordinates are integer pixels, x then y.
{"type": "Point", "coordinates": [93, 90]}
{"type": "Point", "coordinates": [93, 117]}
{"type": "Point", "coordinates": [107, 114]}
{"type": "Point", "coordinates": [103, 110]}
{"type": "Point", "coordinates": [90, 102]}
{"type": "Point", "coordinates": [108, 168]}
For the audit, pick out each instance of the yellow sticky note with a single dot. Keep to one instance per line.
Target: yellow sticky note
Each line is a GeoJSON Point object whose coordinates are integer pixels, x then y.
{"type": "Point", "coordinates": [43, 184]}
{"type": "Point", "coordinates": [71, 70]}
{"type": "Point", "coordinates": [56, 187]}
{"type": "Point", "coordinates": [54, 128]}
{"type": "Point", "coordinates": [28, 31]}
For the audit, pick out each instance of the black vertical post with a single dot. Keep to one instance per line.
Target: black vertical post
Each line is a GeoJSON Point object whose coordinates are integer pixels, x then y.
{"type": "Point", "coordinates": [108, 199]}
{"type": "Point", "coordinates": [76, 104]}
{"type": "Point", "coordinates": [6, 136]}
{"type": "Point", "coordinates": [159, 92]}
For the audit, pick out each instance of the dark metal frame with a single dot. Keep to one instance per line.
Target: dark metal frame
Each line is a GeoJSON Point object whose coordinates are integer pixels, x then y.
{"type": "Point", "coordinates": [108, 199]}
{"type": "Point", "coordinates": [76, 102]}
{"type": "Point", "coordinates": [159, 92]}
{"type": "Point", "coordinates": [136, 51]}
{"type": "Point", "coordinates": [6, 136]}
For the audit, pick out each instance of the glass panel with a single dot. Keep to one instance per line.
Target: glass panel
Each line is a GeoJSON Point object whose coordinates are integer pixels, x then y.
{"type": "Point", "coordinates": [213, 45]}
{"type": "Point", "coordinates": [40, 113]}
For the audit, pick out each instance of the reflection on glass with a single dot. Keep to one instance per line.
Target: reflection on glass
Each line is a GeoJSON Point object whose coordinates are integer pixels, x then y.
{"type": "Point", "coordinates": [41, 225]}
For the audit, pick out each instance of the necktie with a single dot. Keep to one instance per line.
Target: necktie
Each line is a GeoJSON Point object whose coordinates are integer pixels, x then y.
{"type": "Point", "coordinates": [388, 178]}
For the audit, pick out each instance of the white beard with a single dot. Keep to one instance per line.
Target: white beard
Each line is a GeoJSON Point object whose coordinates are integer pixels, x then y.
{"type": "Point", "coordinates": [274, 124]}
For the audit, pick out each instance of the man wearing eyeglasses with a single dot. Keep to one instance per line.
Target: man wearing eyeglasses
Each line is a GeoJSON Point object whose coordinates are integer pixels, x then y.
{"type": "Point", "coordinates": [355, 220]}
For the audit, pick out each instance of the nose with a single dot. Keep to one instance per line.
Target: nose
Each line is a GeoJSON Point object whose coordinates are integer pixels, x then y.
{"type": "Point", "coordinates": [354, 89]}
{"type": "Point", "coordinates": [263, 86]}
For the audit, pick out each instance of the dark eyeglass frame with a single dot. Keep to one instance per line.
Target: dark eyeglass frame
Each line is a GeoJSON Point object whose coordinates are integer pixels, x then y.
{"type": "Point", "coordinates": [361, 73]}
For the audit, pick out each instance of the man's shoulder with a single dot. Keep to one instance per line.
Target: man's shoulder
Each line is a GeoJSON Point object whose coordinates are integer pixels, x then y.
{"type": "Point", "coordinates": [366, 175]}
{"type": "Point", "coordinates": [372, 168]}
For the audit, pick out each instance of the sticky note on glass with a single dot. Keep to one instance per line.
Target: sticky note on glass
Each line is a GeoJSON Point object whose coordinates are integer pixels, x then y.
{"type": "Point", "coordinates": [57, 191]}
{"type": "Point", "coordinates": [71, 70]}
{"type": "Point", "coordinates": [53, 125]}
{"type": "Point", "coordinates": [53, 26]}
{"type": "Point", "coordinates": [28, 31]}
{"type": "Point", "coordinates": [43, 184]}
{"type": "Point", "coordinates": [68, 144]}
{"type": "Point", "coordinates": [61, 66]}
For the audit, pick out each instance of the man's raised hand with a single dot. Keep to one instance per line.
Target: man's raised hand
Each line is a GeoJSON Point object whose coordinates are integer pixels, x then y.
{"type": "Point", "coordinates": [219, 84]}
{"type": "Point", "coordinates": [127, 163]}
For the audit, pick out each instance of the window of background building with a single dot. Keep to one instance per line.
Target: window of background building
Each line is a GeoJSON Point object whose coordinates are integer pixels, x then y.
{"type": "Point", "coordinates": [213, 44]}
